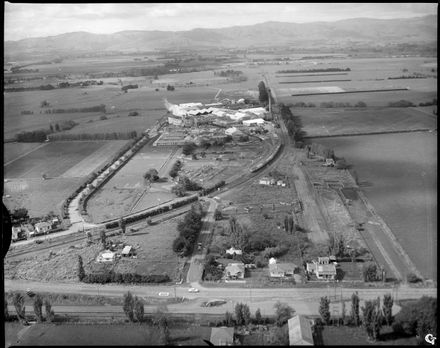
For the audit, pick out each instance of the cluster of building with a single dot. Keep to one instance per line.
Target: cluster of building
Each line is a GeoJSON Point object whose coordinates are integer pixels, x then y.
{"type": "Point", "coordinates": [272, 182]}
{"type": "Point", "coordinates": [109, 256]}
{"type": "Point", "coordinates": [323, 269]}
{"type": "Point", "coordinates": [193, 122]}
{"type": "Point", "coordinates": [28, 230]}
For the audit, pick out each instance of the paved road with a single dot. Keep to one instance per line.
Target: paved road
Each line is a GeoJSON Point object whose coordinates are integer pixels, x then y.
{"type": "Point", "coordinates": [304, 300]}
{"type": "Point", "coordinates": [195, 271]}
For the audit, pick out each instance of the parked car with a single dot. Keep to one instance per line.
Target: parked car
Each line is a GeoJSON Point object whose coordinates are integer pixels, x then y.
{"type": "Point", "coordinates": [193, 290]}
{"type": "Point", "coordinates": [164, 294]}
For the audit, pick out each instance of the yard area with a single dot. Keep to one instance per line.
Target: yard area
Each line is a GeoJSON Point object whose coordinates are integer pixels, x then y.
{"type": "Point", "coordinates": [152, 246]}
{"type": "Point", "coordinates": [127, 191]}
{"type": "Point", "coordinates": [356, 336]}
{"type": "Point", "coordinates": [318, 121]}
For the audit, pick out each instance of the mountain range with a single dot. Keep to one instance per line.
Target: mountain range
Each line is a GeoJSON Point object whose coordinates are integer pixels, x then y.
{"type": "Point", "coordinates": [342, 33]}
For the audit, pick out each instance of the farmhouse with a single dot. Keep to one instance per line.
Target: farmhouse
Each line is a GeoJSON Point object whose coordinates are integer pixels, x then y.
{"type": "Point", "coordinates": [256, 121]}
{"type": "Point", "coordinates": [233, 251]}
{"type": "Point", "coordinates": [300, 331]}
{"type": "Point", "coordinates": [281, 270]}
{"type": "Point", "coordinates": [235, 270]}
{"type": "Point", "coordinates": [127, 251]}
{"type": "Point", "coordinates": [222, 336]}
{"type": "Point", "coordinates": [267, 181]}
{"type": "Point", "coordinates": [42, 227]}
{"type": "Point", "coordinates": [323, 268]}
{"type": "Point", "coordinates": [106, 256]}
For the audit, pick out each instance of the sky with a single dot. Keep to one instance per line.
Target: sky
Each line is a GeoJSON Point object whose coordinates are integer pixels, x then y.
{"type": "Point", "coordinates": [28, 20]}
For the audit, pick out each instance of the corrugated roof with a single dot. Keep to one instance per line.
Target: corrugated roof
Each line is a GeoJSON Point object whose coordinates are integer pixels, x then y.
{"type": "Point", "coordinates": [300, 331]}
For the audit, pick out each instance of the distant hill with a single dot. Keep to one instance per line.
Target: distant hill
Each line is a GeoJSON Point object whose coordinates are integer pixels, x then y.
{"type": "Point", "coordinates": [343, 32]}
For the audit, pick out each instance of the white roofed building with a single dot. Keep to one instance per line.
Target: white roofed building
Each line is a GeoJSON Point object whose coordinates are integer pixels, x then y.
{"type": "Point", "coordinates": [256, 121]}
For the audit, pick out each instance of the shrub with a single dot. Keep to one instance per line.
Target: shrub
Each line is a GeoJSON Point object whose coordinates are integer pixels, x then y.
{"type": "Point", "coordinates": [412, 278]}
{"type": "Point", "coordinates": [103, 117]}
{"type": "Point", "coordinates": [133, 113]}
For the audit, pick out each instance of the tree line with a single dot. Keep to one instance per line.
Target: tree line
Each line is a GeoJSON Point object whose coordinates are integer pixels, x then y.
{"type": "Point", "coordinates": [188, 229]}
{"type": "Point", "coordinates": [96, 108]}
{"type": "Point", "coordinates": [295, 71]}
{"type": "Point", "coordinates": [94, 136]}
{"type": "Point", "coordinates": [415, 318]}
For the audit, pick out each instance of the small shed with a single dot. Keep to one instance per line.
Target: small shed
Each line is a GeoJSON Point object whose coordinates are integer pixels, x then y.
{"type": "Point", "coordinates": [222, 336]}
{"type": "Point", "coordinates": [233, 251]}
{"type": "Point", "coordinates": [127, 251]}
{"type": "Point", "coordinates": [300, 331]}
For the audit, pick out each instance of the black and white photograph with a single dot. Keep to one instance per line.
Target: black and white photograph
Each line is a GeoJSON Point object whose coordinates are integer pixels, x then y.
{"type": "Point", "coordinates": [198, 174]}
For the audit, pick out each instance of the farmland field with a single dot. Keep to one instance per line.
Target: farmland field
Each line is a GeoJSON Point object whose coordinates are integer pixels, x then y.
{"type": "Point", "coordinates": [39, 196]}
{"type": "Point", "coordinates": [120, 193]}
{"type": "Point", "coordinates": [322, 122]}
{"type": "Point", "coordinates": [153, 245]}
{"type": "Point", "coordinates": [56, 158]}
{"type": "Point", "coordinates": [399, 176]}
{"type": "Point", "coordinates": [66, 164]}
{"type": "Point", "coordinates": [11, 151]}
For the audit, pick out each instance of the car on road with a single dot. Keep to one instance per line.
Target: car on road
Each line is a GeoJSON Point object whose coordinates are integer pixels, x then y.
{"type": "Point", "coordinates": [164, 294]}
{"type": "Point", "coordinates": [193, 290]}
{"type": "Point", "coordinates": [213, 303]}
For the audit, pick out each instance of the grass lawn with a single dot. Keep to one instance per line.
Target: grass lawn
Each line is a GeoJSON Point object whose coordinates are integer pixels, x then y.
{"type": "Point", "coordinates": [11, 330]}
{"type": "Point", "coordinates": [356, 336]}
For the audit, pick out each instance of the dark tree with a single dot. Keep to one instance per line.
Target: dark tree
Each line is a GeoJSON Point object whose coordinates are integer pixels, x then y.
{"type": "Point", "coordinates": [229, 320]}
{"type": "Point", "coordinates": [122, 224]}
{"type": "Point", "coordinates": [81, 272]}
{"type": "Point", "coordinates": [218, 214]}
{"type": "Point", "coordinates": [129, 306]}
{"type": "Point", "coordinates": [355, 309]}
{"type": "Point", "coordinates": [103, 238]}
{"type": "Point", "coordinates": [370, 273]}
{"type": "Point", "coordinates": [372, 319]}
{"type": "Point", "coordinates": [188, 149]}
{"type": "Point", "coordinates": [50, 315]}
{"type": "Point", "coordinates": [151, 175]}
{"type": "Point", "coordinates": [18, 301]}
{"type": "Point", "coordinates": [258, 317]}
{"type": "Point", "coordinates": [138, 309]}
{"type": "Point", "coordinates": [38, 305]}
{"type": "Point", "coordinates": [263, 96]}
{"type": "Point", "coordinates": [283, 313]}
{"type": "Point", "coordinates": [387, 308]}
{"type": "Point", "coordinates": [51, 129]}
{"type": "Point", "coordinates": [324, 309]}
{"type": "Point", "coordinates": [57, 127]}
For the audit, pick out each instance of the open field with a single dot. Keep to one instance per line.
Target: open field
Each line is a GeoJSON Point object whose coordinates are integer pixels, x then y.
{"type": "Point", "coordinates": [122, 191]}
{"type": "Point", "coordinates": [397, 173]}
{"type": "Point", "coordinates": [153, 245]}
{"type": "Point", "coordinates": [39, 196]}
{"type": "Point", "coordinates": [12, 151]}
{"type": "Point", "coordinates": [58, 158]}
{"type": "Point", "coordinates": [65, 163]}
{"type": "Point", "coordinates": [322, 122]}
{"type": "Point", "coordinates": [79, 335]}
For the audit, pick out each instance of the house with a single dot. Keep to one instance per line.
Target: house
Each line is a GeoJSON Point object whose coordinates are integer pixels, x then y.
{"type": "Point", "coordinates": [235, 270]}
{"type": "Point", "coordinates": [264, 181]}
{"type": "Point", "coordinates": [233, 251]}
{"type": "Point", "coordinates": [18, 233]}
{"type": "Point", "coordinates": [329, 162]}
{"type": "Point", "coordinates": [300, 331]}
{"type": "Point", "coordinates": [222, 336]}
{"type": "Point", "coordinates": [127, 251]}
{"type": "Point", "coordinates": [42, 227]}
{"type": "Point", "coordinates": [281, 183]}
{"type": "Point", "coordinates": [281, 270]}
{"type": "Point", "coordinates": [256, 121]}
{"type": "Point", "coordinates": [29, 230]}
{"type": "Point", "coordinates": [106, 256]}
{"type": "Point", "coordinates": [323, 268]}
